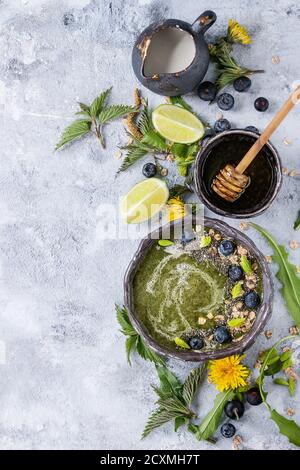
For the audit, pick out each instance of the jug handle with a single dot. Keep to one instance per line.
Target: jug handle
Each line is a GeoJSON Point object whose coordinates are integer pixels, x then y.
{"type": "Point", "coordinates": [204, 21]}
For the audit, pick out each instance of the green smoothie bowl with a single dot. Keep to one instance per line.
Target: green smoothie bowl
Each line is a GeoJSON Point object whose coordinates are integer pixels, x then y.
{"type": "Point", "coordinates": [205, 295]}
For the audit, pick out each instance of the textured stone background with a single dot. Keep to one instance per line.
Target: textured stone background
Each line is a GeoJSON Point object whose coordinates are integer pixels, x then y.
{"type": "Point", "coordinates": [66, 383]}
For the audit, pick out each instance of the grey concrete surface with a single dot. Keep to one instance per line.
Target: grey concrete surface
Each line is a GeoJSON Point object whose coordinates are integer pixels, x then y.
{"type": "Point", "coordinates": [65, 382]}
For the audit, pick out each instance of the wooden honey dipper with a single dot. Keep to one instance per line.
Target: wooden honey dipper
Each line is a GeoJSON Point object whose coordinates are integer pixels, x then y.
{"type": "Point", "coordinates": [230, 182]}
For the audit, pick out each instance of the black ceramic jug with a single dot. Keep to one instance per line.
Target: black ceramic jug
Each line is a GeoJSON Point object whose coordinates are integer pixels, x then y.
{"type": "Point", "coordinates": [171, 57]}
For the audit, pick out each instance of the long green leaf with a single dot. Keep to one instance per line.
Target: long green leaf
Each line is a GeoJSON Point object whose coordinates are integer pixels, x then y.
{"type": "Point", "coordinates": [99, 102]}
{"type": "Point", "coordinates": [169, 383]}
{"type": "Point", "coordinates": [115, 111]}
{"type": "Point", "coordinates": [297, 222]}
{"type": "Point", "coordinates": [211, 421]}
{"type": "Point", "coordinates": [287, 427]}
{"type": "Point", "coordinates": [147, 353]}
{"type": "Point", "coordinates": [192, 383]}
{"type": "Point", "coordinates": [74, 131]}
{"type": "Point", "coordinates": [287, 275]}
{"type": "Point", "coordinates": [130, 345]}
{"type": "Point", "coordinates": [145, 122]}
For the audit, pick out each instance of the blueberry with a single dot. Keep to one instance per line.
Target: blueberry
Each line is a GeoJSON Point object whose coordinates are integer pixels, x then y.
{"type": "Point", "coordinates": [149, 170]}
{"type": "Point", "coordinates": [235, 273]}
{"type": "Point", "coordinates": [261, 104]}
{"type": "Point", "coordinates": [252, 299]}
{"type": "Point", "coordinates": [222, 125]}
{"type": "Point", "coordinates": [207, 91]}
{"type": "Point", "coordinates": [222, 335]}
{"type": "Point", "coordinates": [196, 342]}
{"type": "Point", "coordinates": [228, 430]}
{"type": "Point", "coordinates": [253, 396]}
{"type": "Point", "coordinates": [252, 129]}
{"type": "Point", "coordinates": [225, 101]}
{"type": "Point", "coordinates": [234, 409]}
{"type": "Point", "coordinates": [226, 247]}
{"type": "Point", "coordinates": [242, 84]}
{"type": "Point", "coordinates": [187, 238]}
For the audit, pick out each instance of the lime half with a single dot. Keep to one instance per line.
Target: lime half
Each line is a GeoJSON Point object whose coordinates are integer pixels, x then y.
{"type": "Point", "coordinates": [144, 200]}
{"type": "Point", "coordinates": [177, 124]}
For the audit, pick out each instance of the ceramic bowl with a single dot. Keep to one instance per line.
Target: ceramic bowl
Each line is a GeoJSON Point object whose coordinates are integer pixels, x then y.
{"type": "Point", "coordinates": [263, 312]}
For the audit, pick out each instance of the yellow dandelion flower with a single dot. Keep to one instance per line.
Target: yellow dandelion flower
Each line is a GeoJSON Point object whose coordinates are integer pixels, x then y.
{"type": "Point", "coordinates": [237, 33]}
{"type": "Point", "coordinates": [176, 209]}
{"type": "Point", "coordinates": [228, 373]}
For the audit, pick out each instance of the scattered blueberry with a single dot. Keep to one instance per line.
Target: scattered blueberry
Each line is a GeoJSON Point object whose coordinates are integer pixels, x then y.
{"type": "Point", "coordinates": [226, 247]}
{"type": "Point", "coordinates": [207, 91]}
{"type": "Point", "coordinates": [252, 129]}
{"type": "Point", "coordinates": [261, 104]}
{"type": "Point", "coordinates": [222, 125]}
{"type": "Point", "coordinates": [225, 101]}
{"type": "Point", "coordinates": [222, 335]}
{"type": "Point", "coordinates": [196, 342]}
{"type": "Point", "coordinates": [235, 273]}
{"type": "Point", "coordinates": [228, 430]}
{"type": "Point", "coordinates": [252, 299]}
{"type": "Point", "coordinates": [242, 84]}
{"type": "Point", "coordinates": [234, 409]}
{"type": "Point", "coordinates": [253, 396]}
{"type": "Point", "coordinates": [149, 170]}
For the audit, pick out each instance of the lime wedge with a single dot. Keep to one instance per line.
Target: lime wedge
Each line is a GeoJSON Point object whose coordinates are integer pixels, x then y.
{"type": "Point", "coordinates": [177, 124]}
{"type": "Point", "coordinates": [144, 200]}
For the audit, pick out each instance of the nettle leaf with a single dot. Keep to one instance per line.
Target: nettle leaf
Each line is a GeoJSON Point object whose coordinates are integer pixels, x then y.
{"type": "Point", "coordinates": [147, 353]}
{"type": "Point", "coordinates": [211, 421]}
{"type": "Point", "coordinates": [99, 102]}
{"type": "Point", "coordinates": [246, 265]}
{"type": "Point", "coordinates": [145, 121]}
{"type": "Point", "coordinates": [178, 100]}
{"type": "Point", "coordinates": [130, 345]}
{"type": "Point", "coordinates": [124, 322]}
{"type": "Point", "coordinates": [155, 140]}
{"type": "Point", "coordinates": [134, 154]}
{"type": "Point", "coordinates": [192, 383]}
{"type": "Point", "coordinates": [115, 111]}
{"type": "Point", "coordinates": [205, 241]}
{"type": "Point", "coordinates": [180, 150]}
{"type": "Point", "coordinates": [236, 322]}
{"type": "Point", "coordinates": [84, 108]}
{"type": "Point", "coordinates": [158, 418]}
{"type": "Point", "coordinates": [237, 290]}
{"type": "Point", "coordinates": [287, 275]}
{"type": "Point", "coordinates": [180, 421]}
{"type": "Point", "coordinates": [74, 131]}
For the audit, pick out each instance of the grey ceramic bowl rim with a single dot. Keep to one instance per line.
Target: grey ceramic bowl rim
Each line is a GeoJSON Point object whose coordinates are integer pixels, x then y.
{"type": "Point", "coordinates": [197, 183]}
{"type": "Point", "coordinates": [263, 313]}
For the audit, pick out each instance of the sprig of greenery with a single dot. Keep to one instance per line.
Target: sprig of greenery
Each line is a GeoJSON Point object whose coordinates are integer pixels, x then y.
{"type": "Point", "coordinates": [287, 427]}
{"type": "Point", "coordinates": [287, 275]}
{"type": "Point", "coordinates": [174, 399]}
{"type": "Point", "coordinates": [95, 116]}
{"type": "Point", "coordinates": [134, 342]}
{"type": "Point", "coordinates": [297, 222]}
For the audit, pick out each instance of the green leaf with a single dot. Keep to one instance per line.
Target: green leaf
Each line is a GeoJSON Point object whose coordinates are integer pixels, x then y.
{"type": "Point", "coordinates": [287, 275]}
{"type": "Point", "coordinates": [181, 343]}
{"type": "Point", "coordinates": [292, 386]}
{"type": "Point", "coordinates": [158, 418]}
{"type": "Point", "coordinates": [130, 345]}
{"type": "Point", "coordinates": [169, 383]}
{"type": "Point", "coordinates": [192, 383]}
{"type": "Point", "coordinates": [273, 367]}
{"type": "Point", "coordinates": [236, 322]}
{"type": "Point", "coordinates": [124, 322]}
{"type": "Point", "coordinates": [178, 100]}
{"type": "Point", "coordinates": [237, 290]}
{"type": "Point", "coordinates": [74, 131]}
{"type": "Point", "coordinates": [297, 222]}
{"type": "Point", "coordinates": [211, 421]}
{"type": "Point", "coordinates": [114, 111]}
{"type": "Point", "coordinates": [180, 150]}
{"type": "Point", "coordinates": [178, 190]}
{"type": "Point", "coordinates": [287, 363]}
{"type": "Point", "coordinates": [155, 140]}
{"type": "Point", "coordinates": [180, 421]}
{"type": "Point", "coordinates": [281, 381]}
{"type": "Point", "coordinates": [246, 265]}
{"type": "Point", "coordinates": [134, 154]}
{"type": "Point", "coordinates": [145, 121]}
{"type": "Point", "coordinates": [147, 353]}
{"type": "Point", "coordinates": [287, 427]}
{"type": "Point", "coordinates": [175, 404]}
{"type": "Point", "coordinates": [99, 102]}
{"type": "Point", "coordinates": [85, 108]}
{"type": "Point", "coordinates": [165, 242]}
{"type": "Point", "coordinates": [286, 355]}
{"type": "Point", "coordinates": [205, 241]}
